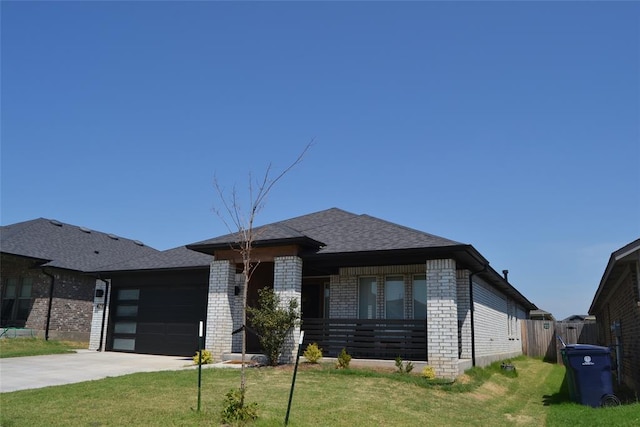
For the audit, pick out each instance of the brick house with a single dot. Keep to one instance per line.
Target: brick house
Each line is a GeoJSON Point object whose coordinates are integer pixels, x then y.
{"type": "Point", "coordinates": [45, 268]}
{"type": "Point", "coordinates": [377, 288]}
{"type": "Point", "coordinates": [616, 306]}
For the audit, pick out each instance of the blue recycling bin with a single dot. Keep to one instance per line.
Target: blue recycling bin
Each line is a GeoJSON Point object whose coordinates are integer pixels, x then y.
{"type": "Point", "coordinates": [589, 374]}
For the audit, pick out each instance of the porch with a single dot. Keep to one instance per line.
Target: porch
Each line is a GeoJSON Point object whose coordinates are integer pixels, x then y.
{"type": "Point", "coordinates": [368, 338]}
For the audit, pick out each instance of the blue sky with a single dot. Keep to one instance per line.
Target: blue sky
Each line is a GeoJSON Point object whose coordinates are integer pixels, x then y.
{"type": "Point", "coordinates": [512, 126]}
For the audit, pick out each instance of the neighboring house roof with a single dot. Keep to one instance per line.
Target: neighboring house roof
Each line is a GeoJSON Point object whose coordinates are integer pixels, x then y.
{"type": "Point", "coordinates": [578, 318]}
{"type": "Point", "coordinates": [619, 261]}
{"type": "Point", "coordinates": [176, 258]}
{"type": "Point", "coordinates": [336, 237]}
{"type": "Point", "coordinates": [61, 245]}
{"type": "Point", "coordinates": [540, 315]}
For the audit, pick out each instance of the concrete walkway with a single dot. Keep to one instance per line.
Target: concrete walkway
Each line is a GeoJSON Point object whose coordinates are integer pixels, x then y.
{"type": "Point", "coordinates": [21, 373]}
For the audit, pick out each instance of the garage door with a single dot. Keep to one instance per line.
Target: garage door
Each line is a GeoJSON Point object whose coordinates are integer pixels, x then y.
{"type": "Point", "coordinates": [157, 320]}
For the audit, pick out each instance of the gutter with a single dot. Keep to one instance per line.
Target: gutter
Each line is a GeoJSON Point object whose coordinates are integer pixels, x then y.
{"type": "Point", "coordinates": [471, 310]}
{"type": "Point", "coordinates": [51, 286]}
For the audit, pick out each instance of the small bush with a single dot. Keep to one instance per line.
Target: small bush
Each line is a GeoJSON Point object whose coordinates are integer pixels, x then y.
{"type": "Point", "coordinates": [428, 372]}
{"type": "Point", "coordinates": [313, 353]}
{"type": "Point", "coordinates": [344, 359]}
{"type": "Point", "coordinates": [235, 410]}
{"type": "Point", "coordinates": [273, 322]}
{"type": "Point", "coordinates": [207, 357]}
{"type": "Point", "coordinates": [403, 368]}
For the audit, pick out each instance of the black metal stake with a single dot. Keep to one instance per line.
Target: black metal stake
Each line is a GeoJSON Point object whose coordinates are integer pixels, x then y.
{"type": "Point", "coordinates": [199, 363]}
{"type": "Point", "coordinates": [293, 382]}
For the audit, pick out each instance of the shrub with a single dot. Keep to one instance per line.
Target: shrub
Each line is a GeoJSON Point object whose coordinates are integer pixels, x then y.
{"type": "Point", "coordinates": [235, 410]}
{"type": "Point", "coordinates": [344, 359]}
{"type": "Point", "coordinates": [313, 353]}
{"type": "Point", "coordinates": [403, 369]}
{"type": "Point", "coordinates": [428, 372]}
{"type": "Point", "coordinates": [272, 322]}
{"type": "Point", "coordinates": [408, 367]}
{"type": "Point", "coordinates": [207, 357]}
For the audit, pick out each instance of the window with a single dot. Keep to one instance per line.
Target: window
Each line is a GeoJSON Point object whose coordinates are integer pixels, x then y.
{"type": "Point", "coordinates": [368, 293]}
{"type": "Point", "coordinates": [16, 301]}
{"type": "Point", "coordinates": [420, 296]}
{"type": "Point", "coordinates": [394, 297]}
{"type": "Point", "coordinates": [125, 326]}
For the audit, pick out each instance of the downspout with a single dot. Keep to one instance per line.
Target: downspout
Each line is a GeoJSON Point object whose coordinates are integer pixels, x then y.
{"type": "Point", "coordinates": [471, 310]}
{"type": "Point", "coordinates": [53, 280]}
{"type": "Point", "coordinates": [107, 283]}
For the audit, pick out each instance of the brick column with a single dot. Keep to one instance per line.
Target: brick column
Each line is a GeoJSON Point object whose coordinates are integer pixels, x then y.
{"type": "Point", "coordinates": [219, 315]}
{"type": "Point", "coordinates": [287, 284]}
{"type": "Point", "coordinates": [442, 317]}
{"type": "Point", "coordinates": [100, 312]}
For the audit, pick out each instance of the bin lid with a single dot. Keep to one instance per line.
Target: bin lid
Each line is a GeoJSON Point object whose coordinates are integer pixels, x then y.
{"type": "Point", "coordinates": [586, 347]}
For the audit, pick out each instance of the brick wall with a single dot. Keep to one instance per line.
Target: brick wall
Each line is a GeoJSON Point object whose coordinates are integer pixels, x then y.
{"type": "Point", "coordinates": [100, 316]}
{"type": "Point", "coordinates": [72, 305]}
{"type": "Point", "coordinates": [496, 324]}
{"type": "Point", "coordinates": [219, 308]}
{"type": "Point", "coordinates": [287, 283]}
{"type": "Point", "coordinates": [442, 317]}
{"type": "Point", "coordinates": [622, 306]}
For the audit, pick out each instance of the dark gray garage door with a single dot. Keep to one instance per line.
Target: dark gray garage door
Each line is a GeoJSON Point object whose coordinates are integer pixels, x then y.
{"type": "Point", "coordinates": [157, 320]}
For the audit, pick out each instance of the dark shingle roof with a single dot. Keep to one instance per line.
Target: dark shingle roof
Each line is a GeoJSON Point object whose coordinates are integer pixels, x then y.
{"type": "Point", "coordinates": [618, 262]}
{"type": "Point", "coordinates": [179, 257]}
{"type": "Point", "coordinates": [68, 246]}
{"type": "Point", "coordinates": [337, 231]}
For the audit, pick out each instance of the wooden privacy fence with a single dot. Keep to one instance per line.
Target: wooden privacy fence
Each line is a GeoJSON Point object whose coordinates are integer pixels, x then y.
{"type": "Point", "coordinates": [539, 337]}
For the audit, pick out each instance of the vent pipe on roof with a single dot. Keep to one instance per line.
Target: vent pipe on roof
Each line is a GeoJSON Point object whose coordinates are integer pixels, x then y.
{"type": "Point", "coordinates": [505, 273]}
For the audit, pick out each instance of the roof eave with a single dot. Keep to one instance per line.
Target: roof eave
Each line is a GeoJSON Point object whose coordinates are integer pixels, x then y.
{"type": "Point", "coordinates": [210, 248]}
{"type": "Point", "coordinates": [611, 265]}
{"type": "Point", "coordinates": [105, 273]}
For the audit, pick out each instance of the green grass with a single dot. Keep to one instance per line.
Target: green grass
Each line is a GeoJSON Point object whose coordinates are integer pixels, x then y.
{"type": "Point", "coordinates": [18, 347]}
{"type": "Point", "coordinates": [323, 397]}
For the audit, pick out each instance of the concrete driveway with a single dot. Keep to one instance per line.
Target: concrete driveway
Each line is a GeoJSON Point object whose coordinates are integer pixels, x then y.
{"type": "Point", "coordinates": [21, 373]}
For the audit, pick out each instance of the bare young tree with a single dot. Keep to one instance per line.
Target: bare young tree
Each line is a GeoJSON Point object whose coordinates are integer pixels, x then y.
{"type": "Point", "coordinates": [240, 222]}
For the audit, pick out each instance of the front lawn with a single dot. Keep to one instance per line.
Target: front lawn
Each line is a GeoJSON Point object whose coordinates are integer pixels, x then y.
{"type": "Point", "coordinates": [323, 397]}
{"type": "Point", "coordinates": [18, 347]}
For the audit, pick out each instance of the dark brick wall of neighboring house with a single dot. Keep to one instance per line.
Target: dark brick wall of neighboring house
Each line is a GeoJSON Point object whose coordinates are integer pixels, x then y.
{"type": "Point", "coordinates": [72, 305]}
{"type": "Point", "coordinates": [622, 307]}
